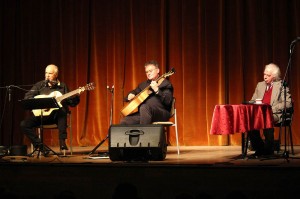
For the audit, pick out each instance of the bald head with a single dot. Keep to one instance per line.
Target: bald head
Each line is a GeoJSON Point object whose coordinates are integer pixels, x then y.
{"type": "Point", "coordinates": [51, 72]}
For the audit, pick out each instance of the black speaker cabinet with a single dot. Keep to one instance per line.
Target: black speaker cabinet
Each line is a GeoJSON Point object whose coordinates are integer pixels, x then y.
{"type": "Point", "coordinates": [137, 142]}
{"type": "Point", "coordinates": [18, 150]}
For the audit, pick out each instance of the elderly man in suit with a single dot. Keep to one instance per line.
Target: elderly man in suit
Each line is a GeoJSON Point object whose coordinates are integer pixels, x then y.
{"type": "Point", "coordinates": [271, 91]}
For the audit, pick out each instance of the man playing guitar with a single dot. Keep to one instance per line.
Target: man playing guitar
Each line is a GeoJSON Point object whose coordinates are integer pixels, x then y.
{"type": "Point", "coordinates": [153, 98]}
{"type": "Point", "coordinates": [51, 86]}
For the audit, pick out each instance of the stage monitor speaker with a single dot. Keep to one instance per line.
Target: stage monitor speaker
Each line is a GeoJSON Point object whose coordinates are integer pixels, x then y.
{"type": "Point", "coordinates": [137, 142]}
{"type": "Point", "coordinates": [18, 150]}
{"type": "Point", "coordinates": [4, 150]}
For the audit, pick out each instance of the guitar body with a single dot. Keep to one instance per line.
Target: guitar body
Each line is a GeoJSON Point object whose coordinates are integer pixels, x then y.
{"type": "Point", "coordinates": [132, 106]}
{"type": "Point", "coordinates": [47, 112]}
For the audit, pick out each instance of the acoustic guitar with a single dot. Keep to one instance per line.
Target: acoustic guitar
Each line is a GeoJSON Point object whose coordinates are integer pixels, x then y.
{"type": "Point", "coordinates": [132, 106]}
{"type": "Point", "coordinates": [59, 97]}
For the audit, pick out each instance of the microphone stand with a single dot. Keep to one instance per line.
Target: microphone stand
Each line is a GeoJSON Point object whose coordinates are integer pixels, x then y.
{"type": "Point", "coordinates": [9, 91]}
{"type": "Point", "coordinates": [111, 90]}
{"type": "Point", "coordinates": [10, 108]}
{"type": "Point", "coordinates": [286, 151]}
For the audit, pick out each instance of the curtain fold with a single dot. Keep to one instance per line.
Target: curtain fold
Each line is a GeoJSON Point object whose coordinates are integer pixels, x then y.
{"type": "Point", "coordinates": [218, 49]}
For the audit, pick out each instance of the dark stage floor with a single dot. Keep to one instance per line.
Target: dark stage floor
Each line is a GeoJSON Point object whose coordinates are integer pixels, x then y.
{"type": "Point", "coordinates": [198, 172]}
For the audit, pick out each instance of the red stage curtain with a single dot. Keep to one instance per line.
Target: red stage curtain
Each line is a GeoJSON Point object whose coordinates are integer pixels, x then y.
{"type": "Point", "coordinates": [218, 49]}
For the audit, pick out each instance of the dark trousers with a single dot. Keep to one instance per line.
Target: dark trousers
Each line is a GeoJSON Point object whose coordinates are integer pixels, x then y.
{"type": "Point", "coordinates": [58, 117]}
{"type": "Point", "coordinates": [260, 145]}
{"type": "Point", "coordinates": [147, 115]}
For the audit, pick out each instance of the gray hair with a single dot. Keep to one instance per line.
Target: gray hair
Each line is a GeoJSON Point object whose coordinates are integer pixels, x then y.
{"type": "Point", "coordinates": [274, 70]}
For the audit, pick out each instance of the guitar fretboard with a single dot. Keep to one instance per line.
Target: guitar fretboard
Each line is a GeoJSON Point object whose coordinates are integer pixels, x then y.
{"type": "Point", "coordinates": [70, 94]}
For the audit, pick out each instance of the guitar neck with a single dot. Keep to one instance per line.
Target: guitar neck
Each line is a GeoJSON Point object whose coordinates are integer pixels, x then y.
{"type": "Point", "coordinates": [70, 94]}
{"type": "Point", "coordinates": [147, 88]}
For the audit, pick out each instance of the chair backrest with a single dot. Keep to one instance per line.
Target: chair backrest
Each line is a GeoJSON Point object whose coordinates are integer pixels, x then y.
{"type": "Point", "coordinates": [288, 117]}
{"type": "Point", "coordinates": [289, 113]}
{"type": "Point", "coordinates": [173, 107]}
{"type": "Point", "coordinates": [169, 123]}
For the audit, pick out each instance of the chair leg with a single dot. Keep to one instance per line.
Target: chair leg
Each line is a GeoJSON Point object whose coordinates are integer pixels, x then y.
{"type": "Point", "coordinates": [177, 142]}
{"type": "Point", "coordinates": [176, 132]}
{"type": "Point", "coordinates": [289, 136]}
{"type": "Point", "coordinates": [71, 134]}
{"type": "Point", "coordinates": [64, 152]}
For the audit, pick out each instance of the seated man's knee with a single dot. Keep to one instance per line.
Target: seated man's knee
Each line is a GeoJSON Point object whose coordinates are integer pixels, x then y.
{"type": "Point", "coordinates": [144, 107]}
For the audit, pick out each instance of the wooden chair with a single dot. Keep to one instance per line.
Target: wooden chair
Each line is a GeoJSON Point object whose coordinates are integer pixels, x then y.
{"type": "Point", "coordinates": [169, 123]}
{"type": "Point", "coordinates": [54, 126]}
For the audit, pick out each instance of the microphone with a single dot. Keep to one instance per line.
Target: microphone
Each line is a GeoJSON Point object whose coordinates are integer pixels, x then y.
{"type": "Point", "coordinates": [110, 89]}
{"type": "Point", "coordinates": [293, 43]}
{"type": "Point", "coordinates": [46, 82]}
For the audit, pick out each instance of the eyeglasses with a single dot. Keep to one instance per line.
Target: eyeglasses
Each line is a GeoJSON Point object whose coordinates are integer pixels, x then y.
{"type": "Point", "coordinates": [150, 71]}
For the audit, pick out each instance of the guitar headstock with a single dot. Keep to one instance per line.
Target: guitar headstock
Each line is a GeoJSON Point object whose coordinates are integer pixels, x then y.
{"type": "Point", "coordinates": [90, 86]}
{"type": "Point", "coordinates": [171, 72]}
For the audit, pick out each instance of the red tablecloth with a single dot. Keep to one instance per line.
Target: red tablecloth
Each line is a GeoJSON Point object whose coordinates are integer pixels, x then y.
{"type": "Point", "coordinates": [229, 119]}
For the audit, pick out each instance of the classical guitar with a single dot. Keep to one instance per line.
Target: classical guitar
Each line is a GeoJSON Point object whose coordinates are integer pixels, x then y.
{"type": "Point", "coordinates": [60, 97]}
{"type": "Point", "coordinates": [132, 106]}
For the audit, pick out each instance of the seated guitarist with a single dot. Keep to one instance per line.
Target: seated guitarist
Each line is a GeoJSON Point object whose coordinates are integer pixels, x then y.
{"type": "Point", "coordinates": [157, 106]}
{"type": "Point", "coordinates": [59, 116]}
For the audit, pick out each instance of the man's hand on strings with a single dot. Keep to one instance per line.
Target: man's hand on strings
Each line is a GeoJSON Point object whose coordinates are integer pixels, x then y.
{"type": "Point", "coordinates": [130, 96]}
{"type": "Point", "coordinates": [154, 86]}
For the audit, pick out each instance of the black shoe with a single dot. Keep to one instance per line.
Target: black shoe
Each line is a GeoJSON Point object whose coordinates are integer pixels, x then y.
{"type": "Point", "coordinates": [269, 152]}
{"type": "Point", "coordinates": [258, 153]}
{"type": "Point", "coordinates": [63, 145]}
{"type": "Point", "coordinates": [255, 155]}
